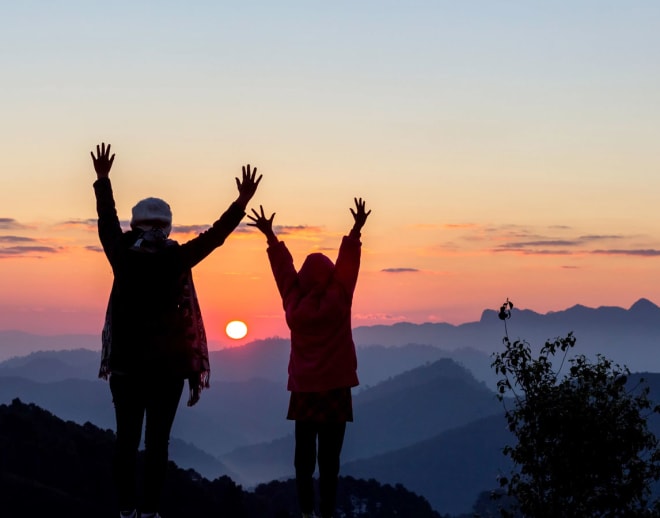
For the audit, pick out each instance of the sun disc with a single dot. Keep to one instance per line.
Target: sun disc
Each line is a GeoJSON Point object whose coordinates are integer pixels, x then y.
{"type": "Point", "coordinates": [236, 329]}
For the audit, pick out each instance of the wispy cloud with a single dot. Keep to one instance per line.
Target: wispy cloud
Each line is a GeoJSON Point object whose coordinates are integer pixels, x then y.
{"type": "Point", "coordinates": [400, 270]}
{"type": "Point", "coordinates": [27, 251]}
{"type": "Point", "coordinates": [11, 224]}
{"type": "Point", "coordinates": [84, 224]}
{"type": "Point", "coordinates": [297, 229]}
{"type": "Point", "coordinates": [596, 237]}
{"type": "Point", "coordinates": [518, 245]}
{"type": "Point", "coordinates": [16, 239]}
{"type": "Point", "coordinates": [648, 252]}
{"type": "Point", "coordinates": [192, 229]}
{"type": "Point", "coordinates": [530, 240]}
{"type": "Point", "coordinates": [13, 245]}
{"type": "Point", "coordinates": [460, 226]}
{"type": "Point", "coordinates": [578, 245]}
{"type": "Point", "coordinates": [245, 228]}
{"type": "Point", "coordinates": [534, 251]}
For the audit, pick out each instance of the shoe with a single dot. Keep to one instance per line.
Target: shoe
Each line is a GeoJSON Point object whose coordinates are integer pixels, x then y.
{"type": "Point", "coordinates": [128, 514]}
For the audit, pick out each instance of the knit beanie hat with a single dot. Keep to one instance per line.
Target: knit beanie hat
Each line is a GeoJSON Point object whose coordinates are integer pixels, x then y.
{"type": "Point", "coordinates": [151, 210]}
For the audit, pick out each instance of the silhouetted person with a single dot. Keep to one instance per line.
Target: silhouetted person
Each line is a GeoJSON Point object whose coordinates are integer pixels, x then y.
{"type": "Point", "coordinates": [317, 302]}
{"type": "Point", "coordinates": [153, 338]}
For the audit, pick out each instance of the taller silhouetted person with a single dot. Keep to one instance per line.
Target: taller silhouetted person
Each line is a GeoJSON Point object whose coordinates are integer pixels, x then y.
{"type": "Point", "coordinates": [153, 338]}
{"type": "Point", "coordinates": [317, 302]}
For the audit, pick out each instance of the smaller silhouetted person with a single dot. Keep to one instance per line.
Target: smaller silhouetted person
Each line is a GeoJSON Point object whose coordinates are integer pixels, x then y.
{"type": "Point", "coordinates": [317, 302]}
{"type": "Point", "coordinates": [153, 338]}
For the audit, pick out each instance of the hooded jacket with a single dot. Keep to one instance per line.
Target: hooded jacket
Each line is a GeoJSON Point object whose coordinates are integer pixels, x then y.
{"type": "Point", "coordinates": [317, 303]}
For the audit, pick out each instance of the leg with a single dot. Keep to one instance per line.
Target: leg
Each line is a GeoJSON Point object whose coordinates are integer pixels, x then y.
{"type": "Point", "coordinates": [331, 439]}
{"type": "Point", "coordinates": [162, 403]}
{"type": "Point", "coordinates": [305, 463]}
{"type": "Point", "coordinates": [129, 413]}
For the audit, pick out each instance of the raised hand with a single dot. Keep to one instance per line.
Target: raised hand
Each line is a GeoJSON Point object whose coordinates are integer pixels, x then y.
{"type": "Point", "coordinates": [247, 186]}
{"type": "Point", "coordinates": [359, 214]}
{"type": "Point", "coordinates": [102, 161]}
{"type": "Point", "coordinates": [263, 223]}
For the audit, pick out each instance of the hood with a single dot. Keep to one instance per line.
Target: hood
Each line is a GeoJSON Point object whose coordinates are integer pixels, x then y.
{"type": "Point", "coordinates": [316, 272]}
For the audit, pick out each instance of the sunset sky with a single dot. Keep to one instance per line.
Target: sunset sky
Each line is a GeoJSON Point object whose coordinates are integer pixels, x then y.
{"type": "Point", "coordinates": [506, 148]}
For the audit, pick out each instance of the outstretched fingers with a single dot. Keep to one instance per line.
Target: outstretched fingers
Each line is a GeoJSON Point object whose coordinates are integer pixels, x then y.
{"type": "Point", "coordinates": [249, 178]}
{"type": "Point", "coordinates": [260, 220]}
{"type": "Point", "coordinates": [102, 151]}
{"type": "Point", "coordinates": [255, 217]}
{"type": "Point", "coordinates": [250, 175]}
{"type": "Point", "coordinates": [360, 214]}
{"type": "Point", "coordinates": [102, 160]}
{"type": "Point", "coordinates": [360, 204]}
{"type": "Point", "coordinates": [260, 217]}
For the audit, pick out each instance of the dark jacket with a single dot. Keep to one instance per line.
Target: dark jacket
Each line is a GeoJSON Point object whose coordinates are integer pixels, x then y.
{"type": "Point", "coordinates": [147, 324]}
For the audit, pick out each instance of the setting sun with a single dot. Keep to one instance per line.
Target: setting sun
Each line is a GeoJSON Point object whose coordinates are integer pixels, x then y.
{"type": "Point", "coordinates": [236, 329]}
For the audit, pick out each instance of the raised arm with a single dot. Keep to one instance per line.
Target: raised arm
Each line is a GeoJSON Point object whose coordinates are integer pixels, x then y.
{"type": "Point", "coordinates": [281, 261]}
{"type": "Point", "coordinates": [108, 222]}
{"type": "Point", "coordinates": [264, 224]}
{"type": "Point", "coordinates": [347, 265]}
{"type": "Point", "coordinates": [198, 248]}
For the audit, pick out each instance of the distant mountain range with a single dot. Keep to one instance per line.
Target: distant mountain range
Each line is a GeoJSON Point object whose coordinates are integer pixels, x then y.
{"type": "Point", "coordinates": [629, 336]}
{"type": "Point", "coordinates": [426, 415]}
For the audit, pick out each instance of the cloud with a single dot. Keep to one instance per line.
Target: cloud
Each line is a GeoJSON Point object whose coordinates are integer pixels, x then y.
{"type": "Point", "coordinates": [551, 243]}
{"type": "Point", "coordinates": [532, 240]}
{"type": "Point", "coordinates": [86, 224]}
{"type": "Point", "coordinates": [297, 229]}
{"type": "Point", "coordinates": [10, 224]}
{"type": "Point", "coordinates": [459, 225]}
{"type": "Point", "coordinates": [16, 239]}
{"type": "Point", "coordinates": [556, 246]}
{"type": "Point", "coordinates": [529, 251]}
{"type": "Point", "coordinates": [22, 246]}
{"type": "Point", "coordinates": [596, 237]}
{"type": "Point", "coordinates": [645, 252]}
{"type": "Point", "coordinates": [192, 229]}
{"type": "Point", "coordinates": [94, 248]}
{"type": "Point", "coordinates": [400, 270]}
{"type": "Point", "coordinates": [244, 228]}
{"type": "Point", "coordinates": [22, 251]}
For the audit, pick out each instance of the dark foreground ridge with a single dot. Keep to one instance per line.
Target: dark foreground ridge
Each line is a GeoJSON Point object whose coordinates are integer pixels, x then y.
{"type": "Point", "coordinates": [51, 467]}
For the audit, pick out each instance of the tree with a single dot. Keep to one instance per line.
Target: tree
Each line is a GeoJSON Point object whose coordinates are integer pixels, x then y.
{"type": "Point", "coordinates": [584, 449]}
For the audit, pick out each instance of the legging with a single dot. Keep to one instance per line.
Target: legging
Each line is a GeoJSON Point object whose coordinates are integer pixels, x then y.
{"type": "Point", "coordinates": [330, 440]}
{"type": "Point", "coordinates": [133, 398]}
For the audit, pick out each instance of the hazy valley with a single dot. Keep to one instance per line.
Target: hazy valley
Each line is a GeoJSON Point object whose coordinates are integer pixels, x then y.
{"type": "Point", "coordinates": [426, 415]}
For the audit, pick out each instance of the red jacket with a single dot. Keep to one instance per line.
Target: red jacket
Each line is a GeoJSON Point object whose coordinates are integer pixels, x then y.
{"type": "Point", "coordinates": [317, 302]}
